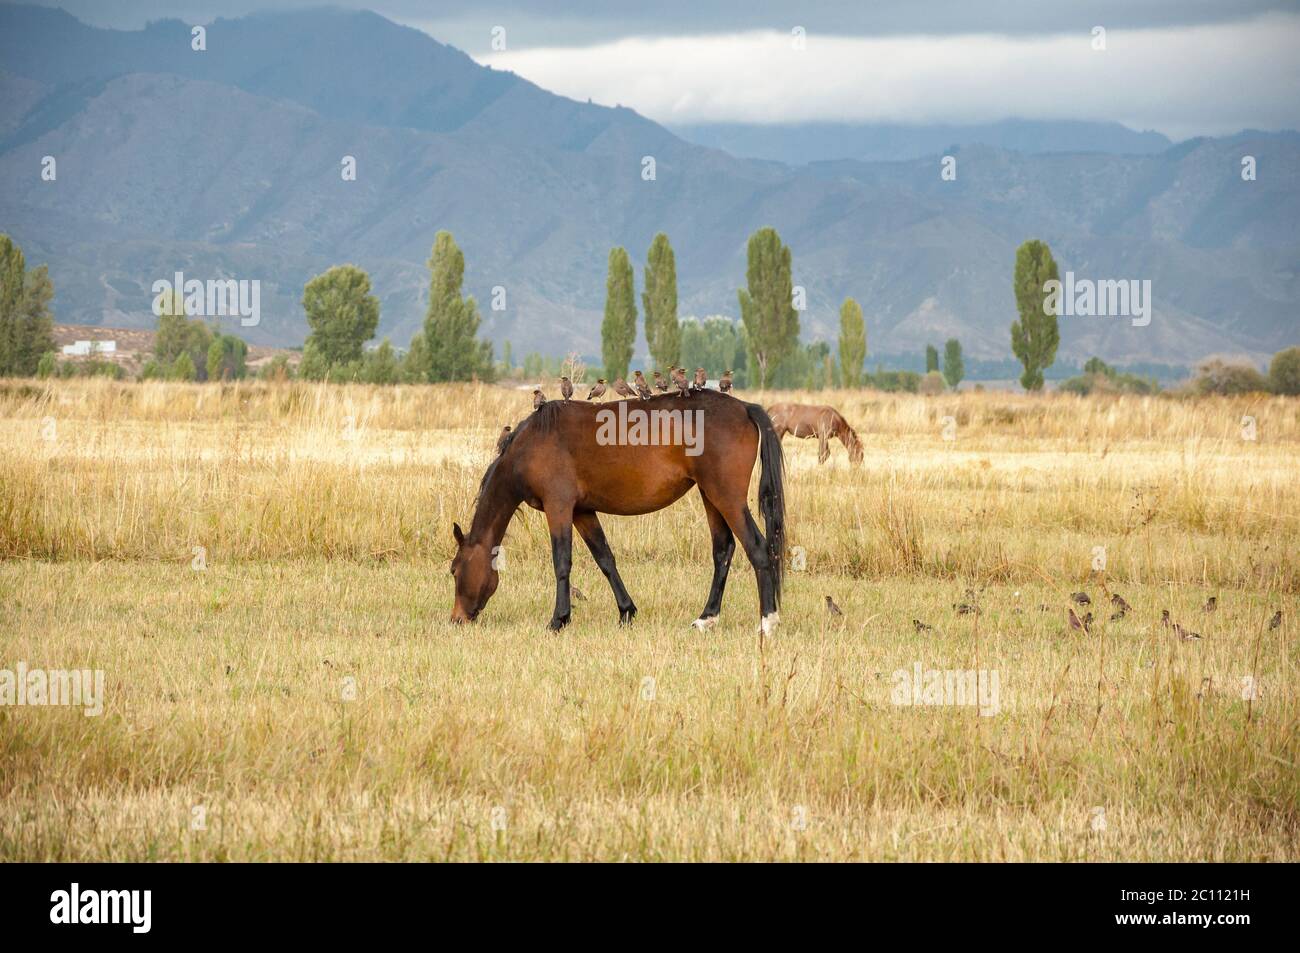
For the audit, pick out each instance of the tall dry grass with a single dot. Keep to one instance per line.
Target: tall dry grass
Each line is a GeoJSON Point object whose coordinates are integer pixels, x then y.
{"type": "Point", "coordinates": [324, 513]}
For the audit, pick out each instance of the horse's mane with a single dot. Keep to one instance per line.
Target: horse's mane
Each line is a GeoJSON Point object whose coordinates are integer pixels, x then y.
{"type": "Point", "coordinates": [541, 419]}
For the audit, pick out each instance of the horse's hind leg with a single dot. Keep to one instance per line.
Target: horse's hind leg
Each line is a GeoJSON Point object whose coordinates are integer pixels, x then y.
{"type": "Point", "coordinates": [724, 545]}
{"type": "Point", "coordinates": [741, 522]}
{"type": "Point", "coordinates": [589, 528]}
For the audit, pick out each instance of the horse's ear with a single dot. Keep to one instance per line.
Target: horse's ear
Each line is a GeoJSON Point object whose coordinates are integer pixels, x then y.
{"type": "Point", "coordinates": [455, 531]}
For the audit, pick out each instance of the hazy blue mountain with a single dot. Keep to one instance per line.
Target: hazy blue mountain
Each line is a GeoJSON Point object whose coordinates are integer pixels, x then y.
{"type": "Point", "coordinates": [227, 163]}
{"type": "Point", "coordinates": [799, 143]}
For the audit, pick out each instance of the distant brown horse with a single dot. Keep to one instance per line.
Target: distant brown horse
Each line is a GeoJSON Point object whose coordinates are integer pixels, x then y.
{"type": "Point", "coordinates": [574, 460]}
{"type": "Point", "coordinates": [822, 422]}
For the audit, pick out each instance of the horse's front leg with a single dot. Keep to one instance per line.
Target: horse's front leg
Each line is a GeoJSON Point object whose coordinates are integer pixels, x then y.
{"type": "Point", "coordinates": [561, 526]}
{"type": "Point", "coordinates": [589, 528]}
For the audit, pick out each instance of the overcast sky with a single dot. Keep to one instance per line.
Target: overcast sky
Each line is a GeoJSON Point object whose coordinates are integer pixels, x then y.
{"type": "Point", "coordinates": [1182, 67]}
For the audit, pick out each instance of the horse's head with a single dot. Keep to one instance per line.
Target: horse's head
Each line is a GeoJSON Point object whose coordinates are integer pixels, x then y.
{"type": "Point", "coordinates": [474, 569]}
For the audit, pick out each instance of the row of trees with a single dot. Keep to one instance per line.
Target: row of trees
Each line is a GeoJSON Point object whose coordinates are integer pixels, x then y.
{"type": "Point", "coordinates": [769, 332]}
{"type": "Point", "coordinates": [343, 315]}
{"type": "Point", "coordinates": [954, 367]}
{"type": "Point", "coordinates": [186, 349]}
{"type": "Point", "coordinates": [763, 350]}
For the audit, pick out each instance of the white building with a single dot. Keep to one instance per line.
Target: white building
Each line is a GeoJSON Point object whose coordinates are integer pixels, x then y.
{"type": "Point", "coordinates": [85, 348]}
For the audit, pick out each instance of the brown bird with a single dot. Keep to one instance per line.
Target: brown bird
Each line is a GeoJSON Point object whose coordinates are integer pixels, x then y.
{"type": "Point", "coordinates": [1210, 604]}
{"type": "Point", "coordinates": [642, 388]}
{"type": "Point", "coordinates": [1079, 624]}
{"type": "Point", "coordinates": [598, 390]}
{"type": "Point", "coordinates": [680, 382]}
{"type": "Point", "coordinates": [1118, 602]}
{"type": "Point", "coordinates": [576, 593]}
{"type": "Point", "coordinates": [965, 608]}
{"type": "Point", "coordinates": [538, 398]}
{"type": "Point", "coordinates": [921, 626]}
{"type": "Point", "coordinates": [1081, 598]}
{"type": "Point", "coordinates": [701, 378]}
{"type": "Point", "coordinates": [661, 383]}
{"type": "Point", "coordinates": [503, 440]}
{"type": "Point", "coordinates": [832, 608]}
{"type": "Point", "coordinates": [566, 388]}
{"type": "Point", "coordinates": [1274, 622]}
{"type": "Point", "coordinates": [1117, 615]}
{"type": "Point", "coordinates": [1164, 618]}
{"type": "Point", "coordinates": [621, 388]}
{"type": "Point", "coordinates": [724, 382]}
{"type": "Point", "coordinates": [1185, 634]}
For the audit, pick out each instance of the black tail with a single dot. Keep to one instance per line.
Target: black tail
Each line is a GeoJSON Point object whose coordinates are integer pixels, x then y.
{"type": "Point", "coordinates": [771, 492]}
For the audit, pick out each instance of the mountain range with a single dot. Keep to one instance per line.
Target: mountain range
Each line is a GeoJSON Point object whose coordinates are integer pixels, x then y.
{"type": "Point", "coordinates": [799, 143]}
{"type": "Point", "coordinates": [226, 162]}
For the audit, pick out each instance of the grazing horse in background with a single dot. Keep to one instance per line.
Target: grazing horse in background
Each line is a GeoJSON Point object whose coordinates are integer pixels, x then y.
{"type": "Point", "coordinates": [574, 460]}
{"type": "Point", "coordinates": [822, 422]}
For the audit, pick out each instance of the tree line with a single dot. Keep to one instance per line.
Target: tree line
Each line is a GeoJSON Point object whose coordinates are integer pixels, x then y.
{"type": "Point", "coordinates": [762, 349]}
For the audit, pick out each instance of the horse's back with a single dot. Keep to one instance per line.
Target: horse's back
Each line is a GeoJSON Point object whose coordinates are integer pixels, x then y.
{"type": "Point", "coordinates": [631, 457]}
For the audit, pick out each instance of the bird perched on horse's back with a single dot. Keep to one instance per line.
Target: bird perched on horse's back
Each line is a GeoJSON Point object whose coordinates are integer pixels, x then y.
{"type": "Point", "coordinates": [680, 382]}
{"type": "Point", "coordinates": [661, 383]}
{"type": "Point", "coordinates": [642, 388]}
{"type": "Point", "coordinates": [598, 390]}
{"type": "Point", "coordinates": [566, 388]}
{"type": "Point", "coordinates": [621, 388]}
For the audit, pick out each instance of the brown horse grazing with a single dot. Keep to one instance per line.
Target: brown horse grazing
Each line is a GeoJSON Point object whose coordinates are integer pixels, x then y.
{"type": "Point", "coordinates": [822, 422]}
{"type": "Point", "coordinates": [575, 460]}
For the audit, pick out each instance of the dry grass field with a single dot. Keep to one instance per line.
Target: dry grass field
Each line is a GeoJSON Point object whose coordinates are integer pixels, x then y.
{"type": "Point", "coordinates": [261, 571]}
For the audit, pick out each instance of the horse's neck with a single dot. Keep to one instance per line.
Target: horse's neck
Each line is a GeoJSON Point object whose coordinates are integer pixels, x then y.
{"type": "Point", "coordinates": [496, 507]}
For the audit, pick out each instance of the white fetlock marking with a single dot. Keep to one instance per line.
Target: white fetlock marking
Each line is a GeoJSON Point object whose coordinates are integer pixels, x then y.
{"type": "Point", "coordinates": [704, 624]}
{"type": "Point", "coordinates": [769, 624]}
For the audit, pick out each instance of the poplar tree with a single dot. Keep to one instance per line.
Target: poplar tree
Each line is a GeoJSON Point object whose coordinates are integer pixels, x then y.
{"type": "Point", "coordinates": [618, 330]}
{"type": "Point", "coordinates": [767, 305]}
{"type": "Point", "coordinates": [451, 321]}
{"type": "Point", "coordinates": [1035, 336]}
{"type": "Point", "coordinates": [954, 368]}
{"type": "Point", "coordinates": [26, 326]}
{"type": "Point", "coordinates": [659, 304]}
{"type": "Point", "coordinates": [853, 343]}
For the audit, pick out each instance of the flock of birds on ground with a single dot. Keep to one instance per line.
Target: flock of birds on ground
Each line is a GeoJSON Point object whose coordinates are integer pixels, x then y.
{"type": "Point", "coordinates": [1079, 624]}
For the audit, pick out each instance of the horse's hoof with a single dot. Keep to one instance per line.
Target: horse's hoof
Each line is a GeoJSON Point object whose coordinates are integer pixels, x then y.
{"type": "Point", "coordinates": [703, 624]}
{"type": "Point", "coordinates": [767, 627]}
{"type": "Point", "coordinates": [626, 616]}
{"type": "Point", "coordinates": [557, 624]}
